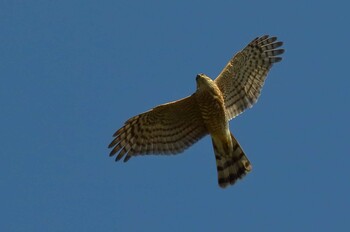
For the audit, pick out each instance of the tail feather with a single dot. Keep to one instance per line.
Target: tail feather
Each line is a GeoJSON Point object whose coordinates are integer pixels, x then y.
{"type": "Point", "coordinates": [231, 165]}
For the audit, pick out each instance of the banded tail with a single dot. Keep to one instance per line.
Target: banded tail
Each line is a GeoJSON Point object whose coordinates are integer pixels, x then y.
{"type": "Point", "coordinates": [231, 166]}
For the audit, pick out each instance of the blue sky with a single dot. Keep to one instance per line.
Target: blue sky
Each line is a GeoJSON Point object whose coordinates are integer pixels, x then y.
{"type": "Point", "coordinates": [73, 71]}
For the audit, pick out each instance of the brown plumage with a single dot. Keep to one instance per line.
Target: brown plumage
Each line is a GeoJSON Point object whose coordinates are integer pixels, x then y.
{"type": "Point", "coordinates": [173, 127]}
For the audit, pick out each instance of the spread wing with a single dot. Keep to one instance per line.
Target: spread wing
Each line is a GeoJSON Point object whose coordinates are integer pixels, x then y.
{"type": "Point", "coordinates": [243, 77]}
{"type": "Point", "coordinates": [166, 129]}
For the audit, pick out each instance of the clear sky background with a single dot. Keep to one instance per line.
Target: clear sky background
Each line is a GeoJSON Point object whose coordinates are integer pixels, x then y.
{"type": "Point", "coordinates": [73, 71]}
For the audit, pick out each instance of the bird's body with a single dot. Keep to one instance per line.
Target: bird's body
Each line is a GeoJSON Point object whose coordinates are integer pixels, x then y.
{"type": "Point", "coordinates": [230, 159]}
{"type": "Point", "coordinates": [173, 127]}
{"type": "Point", "coordinates": [211, 105]}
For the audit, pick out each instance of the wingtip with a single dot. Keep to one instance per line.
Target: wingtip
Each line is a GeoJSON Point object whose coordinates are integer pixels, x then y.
{"type": "Point", "coordinates": [119, 157]}
{"type": "Point", "coordinates": [112, 153]}
{"type": "Point", "coordinates": [110, 145]}
{"type": "Point", "coordinates": [276, 59]}
{"type": "Point", "coordinates": [126, 158]}
{"type": "Point", "coordinates": [278, 52]}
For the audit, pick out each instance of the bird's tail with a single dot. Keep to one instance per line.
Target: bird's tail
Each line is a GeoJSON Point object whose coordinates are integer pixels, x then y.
{"type": "Point", "coordinates": [232, 164]}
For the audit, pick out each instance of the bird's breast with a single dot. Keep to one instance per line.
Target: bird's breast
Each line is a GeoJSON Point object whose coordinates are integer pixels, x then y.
{"type": "Point", "coordinates": [211, 105]}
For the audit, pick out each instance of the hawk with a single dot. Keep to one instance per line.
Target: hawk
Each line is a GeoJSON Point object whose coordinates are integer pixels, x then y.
{"type": "Point", "coordinates": [175, 126]}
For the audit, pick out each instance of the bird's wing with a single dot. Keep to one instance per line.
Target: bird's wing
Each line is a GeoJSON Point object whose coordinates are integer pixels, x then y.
{"type": "Point", "coordinates": [166, 129]}
{"type": "Point", "coordinates": [243, 77]}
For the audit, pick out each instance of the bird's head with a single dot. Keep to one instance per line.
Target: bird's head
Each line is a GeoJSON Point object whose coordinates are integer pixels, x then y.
{"type": "Point", "coordinates": [203, 81]}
